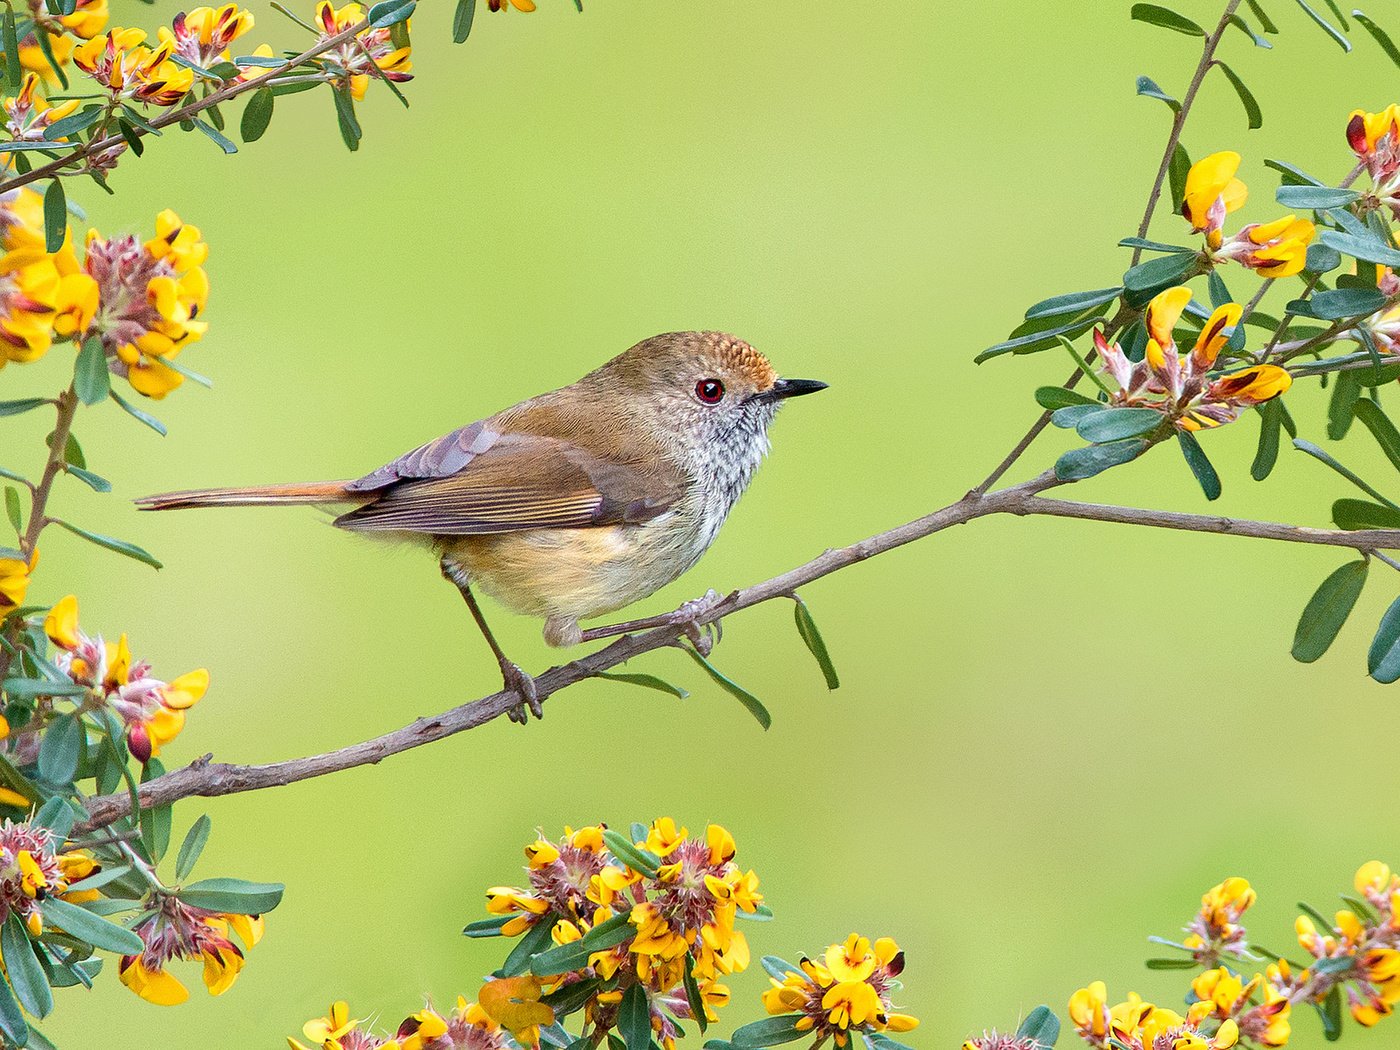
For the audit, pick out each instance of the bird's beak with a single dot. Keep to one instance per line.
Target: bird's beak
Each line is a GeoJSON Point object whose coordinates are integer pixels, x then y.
{"type": "Point", "coordinates": [785, 388]}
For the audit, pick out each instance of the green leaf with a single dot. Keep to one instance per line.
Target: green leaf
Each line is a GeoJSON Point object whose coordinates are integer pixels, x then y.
{"type": "Point", "coordinates": [1041, 1026]}
{"type": "Point", "coordinates": [812, 638]}
{"type": "Point", "coordinates": [1345, 391]}
{"type": "Point", "coordinates": [1353, 514]}
{"type": "Point", "coordinates": [94, 481]}
{"type": "Point", "coordinates": [91, 380]}
{"type": "Point", "coordinates": [1252, 112]}
{"type": "Point", "coordinates": [130, 550]}
{"type": "Point", "coordinates": [1324, 457]}
{"type": "Point", "coordinates": [73, 452]}
{"type": "Point", "coordinates": [1219, 293]}
{"type": "Point", "coordinates": [1326, 26]}
{"type": "Point", "coordinates": [1200, 465]}
{"type": "Point", "coordinates": [23, 404]}
{"type": "Point", "coordinates": [778, 968]}
{"type": "Point", "coordinates": [1080, 463]}
{"type": "Point", "coordinates": [26, 975]}
{"type": "Point", "coordinates": [93, 929]}
{"type": "Point", "coordinates": [1152, 14]}
{"type": "Point", "coordinates": [1072, 303]}
{"type": "Point", "coordinates": [1367, 248]}
{"type": "Point", "coordinates": [13, 69]}
{"type": "Point", "coordinates": [192, 847]}
{"type": "Point", "coordinates": [634, 856]}
{"type": "Point", "coordinates": [1264, 19]}
{"type": "Point", "coordinates": [1172, 964]}
{"type": "Point", "coordinates": [693, 996]}
{"type": "Point", "coordinates": [216, 136]}
{"type": "Point", "coordinates": [131, 135]}
{"type": "Point", "coordinates": [1110, 424]}
{"type": "Point", "coordinates": [1383, 658]}
{"type": "Point", "coordinates": [1327, 610]}
{"type": "Point", "coordinates": [12, 1022]}
{"type": "Point", "coordinates": [12, 508]}
{"type": "Point", "coordinates": [1340, 303]}
{"type": "Point", "coordinates": [1270, 420]}
{"type": "Point", "coordinates": [1177, 170]}
{"type": "Point", "coordinates": [257, 114]}
{"type": "Point", "coordinates": [1148, 88]}
{"type": "Point", "coordinates": [486, 927]}
{"type": "Point", "coordinates": [647, 681]}
{"type": "Point", "coordinates": [462, 20]}
{"type": "Point", "coordinates": [1248, 30]}
{"type": "Point", "coordinates": [538, 938]}
{"type": "Point", "coordinates": [768, 1032]}
{"type": "Point", "coordinates": [1293, 175]}
{"type": "Point", "coordinates": [233, 896]}
{"type": "Point", "coordinates": [27, 688]}
{"type": "Point", "coordinates": [1331, 1013]}
{"type": "Point", "coordinates": [61, 749]}
{"type": "Point", "coordinates": [1161, 272]}
{"type": "Point", "coordinates": [390, 12]}
{"type": "Point", "coordinates": [345, 119]}
{"type": "Point", "coordinates": [574, 955]}
{"type": "Point", "coordinates": [1379, 35]}
{"type": "Point", "coordinates": [1315, 197]}
{"type": "Point", "coordinates": [1035, 341]}
{"type": "Point", "coordinates": [55, 216]}
{"type": "Point", "coordinates": [634, 1018]}
{"type": "Point", "coordinates": [135, 413]}
{"type": "Point", "coordinates": [567, 998]}
{"type": "Point", "coordinates": [1381, 428]}
{"type": "Point", "coordinates": [1154, 246]}
{"type": "Point", "coordinates": [751, 703]}
{"type": "Point", "coordinates": [1053, 397]}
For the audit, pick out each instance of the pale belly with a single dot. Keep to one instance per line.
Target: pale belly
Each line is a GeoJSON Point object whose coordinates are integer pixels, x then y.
{"type": "Point", "coordinates": [575, 574]}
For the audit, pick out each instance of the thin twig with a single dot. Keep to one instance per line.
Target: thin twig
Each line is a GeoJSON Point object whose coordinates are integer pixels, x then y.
{"type": "Point", "coordinates": [207, 778]}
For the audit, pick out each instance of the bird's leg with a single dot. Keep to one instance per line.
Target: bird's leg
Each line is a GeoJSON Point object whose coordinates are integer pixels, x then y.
{"type": "Point", "coordinates": [687, 616]}
{"type": "Point", "coordinates": [516, 680]}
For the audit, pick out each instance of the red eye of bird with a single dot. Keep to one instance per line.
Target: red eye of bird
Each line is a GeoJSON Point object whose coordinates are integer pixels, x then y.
{"type": "Point", "coordinates": [710, 391]}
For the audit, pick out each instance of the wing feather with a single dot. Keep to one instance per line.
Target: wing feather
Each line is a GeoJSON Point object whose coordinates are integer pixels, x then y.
{"type": "Point", "coordinates": [520, 481]}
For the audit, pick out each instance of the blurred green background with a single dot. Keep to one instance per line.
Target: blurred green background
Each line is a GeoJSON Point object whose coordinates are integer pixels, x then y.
{"type": "Point", "coordinates": [1051, 736]}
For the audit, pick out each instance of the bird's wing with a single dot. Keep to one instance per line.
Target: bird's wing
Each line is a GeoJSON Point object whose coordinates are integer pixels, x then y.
{"type": "Point", "coordinates": [518, 481]}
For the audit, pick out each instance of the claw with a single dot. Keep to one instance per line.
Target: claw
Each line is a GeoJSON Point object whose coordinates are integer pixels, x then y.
{"type": "Point", "coordinates": [518, 682]}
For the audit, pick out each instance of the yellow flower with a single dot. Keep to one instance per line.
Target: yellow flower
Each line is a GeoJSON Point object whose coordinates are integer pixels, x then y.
{"type": "Point", "coordinates": [514, 1004]}
{"type": "Point", "coordinates": [155, 986]}
{"type": "Point", "coordinates": [541, 853]}
{"type": "Point", "coordinates": [1212, 192]}
{"type": "Point", "coordinates": [851, 1004]}
{"type": "Point", "coordinates": [1365, 130]}
{"type": "Point", "coordinates": [664, 836]}
{"type": "Point", "coordinates": [1088, 1011]}
{"type": "Point", "coordinates": [335, 1024]}
{"type": "Point", "coordinates": [14, 581]}
{"type": "Point", "coordinates": [1273, 249]}
{"type": "Point", "coordinates": [1216, 334]}
{"type": "Point", "coordinates": [1223, 904]}
{"type": "Point", "coordinates": [1374, 879]}
{"type": "Point", "coordinates": [1251, 386]}
{"type": "Point", "coordinates": [852, 960]}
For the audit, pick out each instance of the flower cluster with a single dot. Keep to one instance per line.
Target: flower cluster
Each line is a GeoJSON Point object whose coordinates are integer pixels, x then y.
{"type": "Point", "coordinates": [661, 906]}
{"type": "Point", "coordinates": [153, 711]}
{"type": "Point", "coordinates": [466, 1027]}
{"type": "Point", "coordinates": [33, 867]}
{"type": "Point", "coordinates": [126, 68]}
{"type": "Point", "coordinates": [848, 991]}
{"type": "Point", "coordinates": [1273, 249]}
{"type": "Point", "coordinates": [203, 35]}
{"type": "Point", "coordinates": [61, 34]}
{"type": "Point", "coordinates": [1137, 1025]}
{"type": "Point", "coordinates": [1184, 386]}
{"type": "Point", "coordinates": [1355, 960]}
{"type": "Point", "coordinates": [370, 54]}
{"type": "Point", "coordinates": [28, 115]}
{"type": "Point", "coordinates": [144, 300]}
{"type": "Point", "coordinates": [171, 930]}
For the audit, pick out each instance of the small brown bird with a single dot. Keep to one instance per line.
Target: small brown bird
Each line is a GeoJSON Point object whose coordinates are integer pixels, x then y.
{"type": "Point", "coordinates": [577, 502]}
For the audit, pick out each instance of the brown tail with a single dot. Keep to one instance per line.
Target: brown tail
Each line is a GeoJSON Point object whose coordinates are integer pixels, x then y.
{"type": "Point", "coordinates": [253, 496]}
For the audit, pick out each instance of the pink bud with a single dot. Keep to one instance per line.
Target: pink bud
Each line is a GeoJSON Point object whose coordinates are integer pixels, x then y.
{"type": "Point", "coordinates": [138, 742]}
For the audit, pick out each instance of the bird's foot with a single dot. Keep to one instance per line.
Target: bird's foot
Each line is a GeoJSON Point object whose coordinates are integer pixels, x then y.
{"type": "Point", "coordinates": [687, 618]}
{"type": "Point", "coordinates": [518, 682]}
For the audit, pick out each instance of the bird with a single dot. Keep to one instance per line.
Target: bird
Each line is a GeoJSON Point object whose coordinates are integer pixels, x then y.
{"type": "Point", "coordinates": [574, 503]}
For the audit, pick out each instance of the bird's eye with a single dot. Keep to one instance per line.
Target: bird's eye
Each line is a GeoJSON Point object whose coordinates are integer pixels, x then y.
{"type": "Point", "coordinates": [710, 391]}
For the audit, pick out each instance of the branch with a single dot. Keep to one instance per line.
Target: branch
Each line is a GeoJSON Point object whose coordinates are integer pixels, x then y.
{"type": "Point", "coordinates": [174, 116]}
{"type": "Point", "coordinates": [207, 778]}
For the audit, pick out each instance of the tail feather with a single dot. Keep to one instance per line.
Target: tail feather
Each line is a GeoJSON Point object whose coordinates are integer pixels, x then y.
{"type": "Point", "coordinates": [254, 496]}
